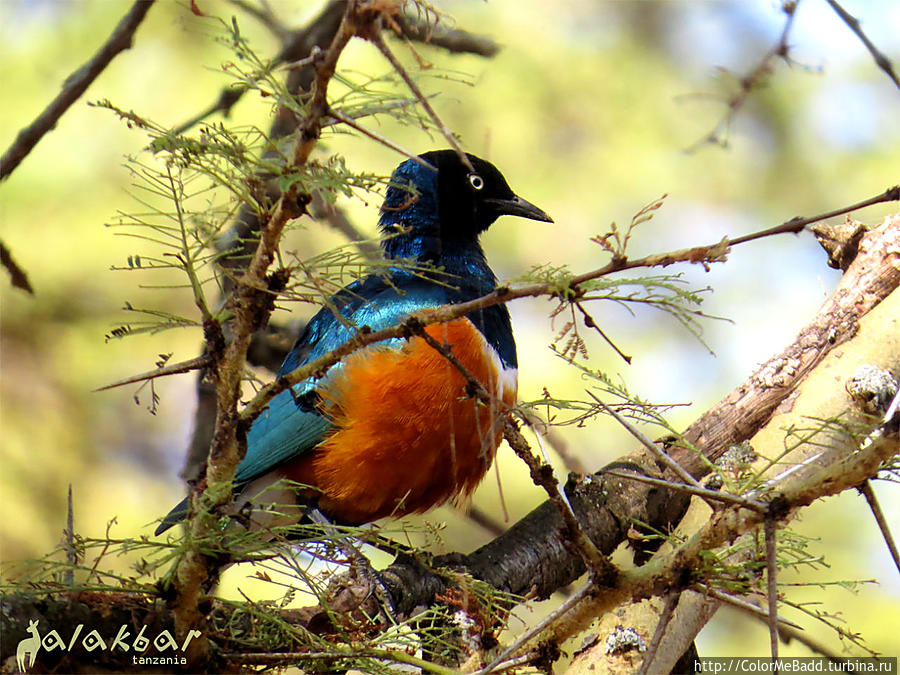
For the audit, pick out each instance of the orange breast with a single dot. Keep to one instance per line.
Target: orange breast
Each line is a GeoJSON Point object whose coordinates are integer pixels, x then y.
{"type": "Point", "coordinates": [408, 437]}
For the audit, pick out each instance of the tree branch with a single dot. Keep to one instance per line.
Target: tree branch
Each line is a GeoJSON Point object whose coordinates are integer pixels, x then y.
{"type": "Point", "coordinates": [18, 278]}
{"type": "Point", "coordinates": [174, 369]}
{"type": "Point", "coordinates": [364, 337]}
{"type": "Point", "coordinates": [880, 59]}
{"type": "Point", "coordinates": [532, 559]}
{"type": "Point", "coordinates": [195, 569]}
{"type": "Point", "coordinates": [74, 86]}
{"type": "Point", "coordinates": [295, 47]}
{"type": "Point", "coordinates": [238, 244]}
{"type": "Point", "coordinates": [454, 40]}
{"type": "Point", "coordinates": [752, 80]}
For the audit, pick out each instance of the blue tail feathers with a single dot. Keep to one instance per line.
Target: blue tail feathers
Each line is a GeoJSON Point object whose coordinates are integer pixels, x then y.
{"type": "Point", "coordinates": [176, 515]}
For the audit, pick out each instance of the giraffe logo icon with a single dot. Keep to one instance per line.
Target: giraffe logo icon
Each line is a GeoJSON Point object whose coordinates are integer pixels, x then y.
{"type": "Point", "coordinates": [28, 648]}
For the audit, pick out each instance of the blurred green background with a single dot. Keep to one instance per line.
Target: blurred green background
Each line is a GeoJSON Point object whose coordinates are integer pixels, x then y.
{"type": "Point", "coordinates": [588, 110]}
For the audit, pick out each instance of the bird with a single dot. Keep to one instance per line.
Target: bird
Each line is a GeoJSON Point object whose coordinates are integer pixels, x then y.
{"type": "Point", "coordinates": [390, 430]}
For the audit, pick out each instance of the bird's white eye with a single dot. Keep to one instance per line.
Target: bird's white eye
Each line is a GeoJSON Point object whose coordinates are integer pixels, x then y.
{"type": "Point", "coordinates": [476, 181]}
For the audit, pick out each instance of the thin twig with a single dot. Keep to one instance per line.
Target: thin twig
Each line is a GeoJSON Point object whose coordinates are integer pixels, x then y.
{"type": "Point", "coordinates": [770, 525]}
{"type": "Point", "coordinates": [73, 87]}
{"type": "Point", "coordinates": [872, 500]}
{"type": "Point", "coordinates": [603, 571]}
{"type": "Point", "coordinates": [176, 368]}
{"type": "Point", "coordinates": [371, 111]}
{"type": "Point", "coordinates": [378, 137]}
{"type": "Point", "coordinates": [590, 323]}
{"type": "Point", "coordinates": [266, 17]}
{"type": "Point", "coordinates": [186, 259]}
{"type": "Point", "coordinates": [516, 662]}
{"type": "Point", "coordinates": [787, 630]}
{"type": "Point", "coordinates": [454, 40]}
{"type": "Point", "coordinates": [752, 80]}
{"type": "Point", "coordinates": [548, 620]}
{"type": "Point", "coordinates": [705, 493]}
{"type": "Point", "coordinates": [650, 445]}
{"type": "Point", "coordinates": [880, 59]}
{"type": "Point", "coordinates": [444, 349]}
{"type": "Point", "coordinates": [423, 100]}
{"type": "Point", "coordinates": [557, 442]}
{"type": "Point", "coordinates": [892, 194]}
{"type": "Point", "coordinates": [743, 605]}
{"type": "Point", "coordinates": [664, 618]}
{"type": "Point", "coordinates": [788, 633]}
{"type": "Point", "coordinates": [227, 99]}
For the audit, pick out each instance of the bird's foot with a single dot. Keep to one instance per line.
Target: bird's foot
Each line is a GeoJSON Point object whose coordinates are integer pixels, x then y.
{"type": "Point", "coordinates": [371, 583]}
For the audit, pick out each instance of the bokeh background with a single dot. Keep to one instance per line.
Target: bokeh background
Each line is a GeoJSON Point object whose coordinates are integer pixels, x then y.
{"type": "Point", "coordinates": [588, 109]}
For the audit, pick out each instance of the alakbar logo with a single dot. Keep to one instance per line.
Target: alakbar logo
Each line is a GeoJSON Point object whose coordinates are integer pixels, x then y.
{"type": "Point", "coordinates": [28, 648]}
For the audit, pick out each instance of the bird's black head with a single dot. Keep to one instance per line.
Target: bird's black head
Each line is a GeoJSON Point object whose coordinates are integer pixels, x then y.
{"type": "Point", "coordinates": [447, 201]}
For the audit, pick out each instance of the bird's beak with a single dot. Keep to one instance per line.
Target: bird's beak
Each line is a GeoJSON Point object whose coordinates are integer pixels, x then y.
{"type": "Point", "coordinates": [518, 207]}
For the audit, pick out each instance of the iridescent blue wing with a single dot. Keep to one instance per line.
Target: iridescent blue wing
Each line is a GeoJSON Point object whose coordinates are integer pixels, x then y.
{"type": "Point", "coordinates": [290, 426]}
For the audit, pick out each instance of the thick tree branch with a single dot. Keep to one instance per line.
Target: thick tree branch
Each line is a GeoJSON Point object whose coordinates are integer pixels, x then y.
{"type": "Point", "coordinates": [872, 277]}
{"type": "Point", "coordinates": [838, 471]}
